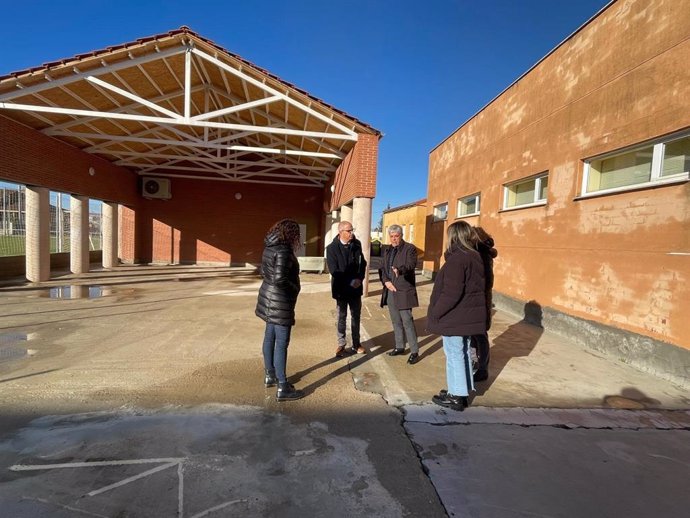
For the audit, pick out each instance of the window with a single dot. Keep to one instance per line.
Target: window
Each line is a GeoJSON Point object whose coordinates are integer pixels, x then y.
{"type": "Point", "coordinates": [441, 212]}
{"type": "Point", "coordinates": [468, 206]}
{"type": "Point", "coordinates": [660, 162]}
{"type": "Point", "coordinates": [525, 193]}
{"type": "Point", "coordinates": [411, 240]}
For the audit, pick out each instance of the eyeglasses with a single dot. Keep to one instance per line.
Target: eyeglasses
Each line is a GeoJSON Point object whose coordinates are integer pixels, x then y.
{"type": "Point", "coordinates": [348, 230]}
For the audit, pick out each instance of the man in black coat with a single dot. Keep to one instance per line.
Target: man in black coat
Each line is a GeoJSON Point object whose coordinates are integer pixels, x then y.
{"type": "Point", "coordinates": [397, 274]}
{"type": "Point", "coordinates": [347, 267]}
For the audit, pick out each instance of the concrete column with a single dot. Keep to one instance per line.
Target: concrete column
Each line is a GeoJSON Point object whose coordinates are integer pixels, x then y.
{"type": "Point", "coordinates": [79, 234]}
{"type": "Point", "coordinates": [329, 233]}
{"type": "Point", "coordinates": [346, 213]}
{"type": "Point", "coordinates": [361, 221]}
{"type": "Point", "coordinates": [37, 234]}
{"type": "Point", "coordinates": [109, 223]}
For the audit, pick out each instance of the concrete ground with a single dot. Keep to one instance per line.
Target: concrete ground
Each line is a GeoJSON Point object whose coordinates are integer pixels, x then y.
{"type": "Point", "coordinates": [139, 392]}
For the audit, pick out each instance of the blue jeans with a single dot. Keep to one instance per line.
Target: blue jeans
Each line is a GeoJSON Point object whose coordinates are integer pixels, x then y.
{"type": "Point", "coordinates": [458, 365]}
{"type": "Point", "coordinates": [276, 341]}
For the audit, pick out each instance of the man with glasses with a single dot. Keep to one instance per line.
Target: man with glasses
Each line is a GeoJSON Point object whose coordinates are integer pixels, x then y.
{"type": "Point", "coordinates": [347, 267]}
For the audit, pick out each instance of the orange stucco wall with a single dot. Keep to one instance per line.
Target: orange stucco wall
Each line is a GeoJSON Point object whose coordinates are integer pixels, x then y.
{"type": "Point", "coordinates": [615, 259]}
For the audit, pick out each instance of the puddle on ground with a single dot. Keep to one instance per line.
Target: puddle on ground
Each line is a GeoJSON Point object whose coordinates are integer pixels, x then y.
{"type": "Point", "coordinates": [77, 292]}
{"type": "Point", "coordinates": [11, 346]}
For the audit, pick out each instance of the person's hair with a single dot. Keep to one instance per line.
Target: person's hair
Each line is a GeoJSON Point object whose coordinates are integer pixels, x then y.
{"type": "Point", "coordinates": [395, 229]}
{"type": "Point", "coordinates": [287, 231]}
{"type": "Point", "coordinates": [482, 234]}
{"type": "Point", "coordinates": [344, 224]}
{"type": "Point", "coordinates": [461, 235]}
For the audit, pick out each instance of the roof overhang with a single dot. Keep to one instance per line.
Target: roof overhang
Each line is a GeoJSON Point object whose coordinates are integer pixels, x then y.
{"type": "Point", "coordinates": [178, 105]}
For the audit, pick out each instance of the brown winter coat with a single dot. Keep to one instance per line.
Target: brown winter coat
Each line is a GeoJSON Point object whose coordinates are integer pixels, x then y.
{"type": "Point", "coordinates": [458, 301]}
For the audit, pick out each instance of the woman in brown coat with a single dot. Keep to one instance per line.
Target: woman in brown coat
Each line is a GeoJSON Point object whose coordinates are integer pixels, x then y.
{"type": "Point", "coordinates": [457, 310]}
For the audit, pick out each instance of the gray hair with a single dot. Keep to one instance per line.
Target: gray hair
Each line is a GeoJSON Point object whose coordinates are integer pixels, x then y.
{"type": "Point", "coordinates": [395, 229]}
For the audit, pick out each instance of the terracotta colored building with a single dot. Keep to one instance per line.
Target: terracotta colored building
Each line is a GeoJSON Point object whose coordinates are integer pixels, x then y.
{"type": "Point", "coordinates": [412, 218]}
{"type": "Point", "coordinates": [194, 151]}
{"type": "Point", "coordinates": [580, 171]}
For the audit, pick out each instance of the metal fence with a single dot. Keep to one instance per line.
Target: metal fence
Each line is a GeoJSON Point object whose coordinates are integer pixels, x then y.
{"type": "Point", "coordinates": [13, 221]}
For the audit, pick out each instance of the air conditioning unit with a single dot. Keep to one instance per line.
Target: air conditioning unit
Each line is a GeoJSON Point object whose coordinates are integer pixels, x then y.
{"type": "Point", "coordinates": [157, 188]}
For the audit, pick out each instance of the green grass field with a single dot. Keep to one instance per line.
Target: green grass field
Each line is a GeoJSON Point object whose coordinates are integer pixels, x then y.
{"type": "Point", "coordinates": [16, 245]}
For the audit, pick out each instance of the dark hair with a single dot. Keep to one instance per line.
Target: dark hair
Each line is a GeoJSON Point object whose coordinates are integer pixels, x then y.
{"type": "Point", "coordinates": [287, 231]}
{"type": "Point", "coordinates": [482, 234]}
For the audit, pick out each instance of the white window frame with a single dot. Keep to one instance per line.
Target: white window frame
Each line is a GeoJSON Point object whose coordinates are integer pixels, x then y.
{"type": "Point", "coordinates": [411, 240]}
{"type": "Point", "coordinates": [656, 179]}
{"type": "Point", "coordinates": [536, 202]}
{"type": "Point", "coordinates": [477, 203]}
{"type": "Point", "coordinates": [437, 209]}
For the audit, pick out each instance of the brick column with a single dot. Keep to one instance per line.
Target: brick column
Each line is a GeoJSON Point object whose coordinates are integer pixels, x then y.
{"type": "Point", "coordinates": [37, 234]}
{"type": "Point", "coordinates": [361, 221]}
{"type": "Point", "coordinates": [109, 223]}
{"type": "Point", "coordinates": [79, 234]}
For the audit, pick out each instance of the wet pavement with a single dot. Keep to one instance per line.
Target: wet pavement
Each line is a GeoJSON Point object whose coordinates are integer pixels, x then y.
{"type": "Point", "coordinates": [144, 397]}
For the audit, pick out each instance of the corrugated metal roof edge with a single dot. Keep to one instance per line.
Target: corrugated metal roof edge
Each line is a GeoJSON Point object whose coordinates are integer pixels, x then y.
{"type": "Point", "coordinates": [186, 30]}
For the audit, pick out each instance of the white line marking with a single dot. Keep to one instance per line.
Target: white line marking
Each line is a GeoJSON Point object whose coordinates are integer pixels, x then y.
{"type": "Point", "coordinates": [216, 508]}
{"type": "Point", "coordinates": [34, 467]}
{"type": "Point", "coordinates": [43, 501]}
{"type": "Point", "coordinates": [131, 479]}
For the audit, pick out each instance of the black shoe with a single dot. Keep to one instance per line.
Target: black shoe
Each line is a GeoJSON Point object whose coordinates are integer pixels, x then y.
{"type": "Point", "coordinates": [481, 375]}
{"type": "Point", "coordinates": [286, 392]}
{"type": "Point", "coordinates": [414, 358]}
{"type": "Point", "coordinates": [446, 400]}
{"type": "Point", "coordinates": [396, 352]}
{"type": "Point", "coordinates": [270, 379]}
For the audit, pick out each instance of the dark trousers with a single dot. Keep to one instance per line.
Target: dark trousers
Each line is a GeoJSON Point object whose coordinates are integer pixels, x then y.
{"type": "Point", "coordinates": [355, 305]}
{"type": "Point", "coordinates": [481, 343]}
{"type": "Point", "coordinates": [403, 325]}
{"type": "Point", "coordinates": [276, 341]}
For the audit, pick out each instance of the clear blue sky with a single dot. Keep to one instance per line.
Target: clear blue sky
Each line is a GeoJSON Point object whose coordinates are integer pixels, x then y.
{"type": "Point", "coordinates": [413, 69]}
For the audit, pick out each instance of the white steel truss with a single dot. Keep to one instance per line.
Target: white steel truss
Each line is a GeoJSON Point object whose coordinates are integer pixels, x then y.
{"type": "Point", "coordinates": [183, 109]}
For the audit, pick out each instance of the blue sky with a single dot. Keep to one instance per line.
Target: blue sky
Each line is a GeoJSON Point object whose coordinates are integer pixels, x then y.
{"type": "Point", "coordinates": [415, 70]}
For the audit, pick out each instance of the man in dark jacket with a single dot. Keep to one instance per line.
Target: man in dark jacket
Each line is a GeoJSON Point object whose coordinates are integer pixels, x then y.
{"type": "Point", "coordinates": [397, 274]}
{"type": "Point", "coordinates": [347, 267]}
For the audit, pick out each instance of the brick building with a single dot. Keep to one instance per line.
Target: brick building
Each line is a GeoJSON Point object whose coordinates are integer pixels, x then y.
{"type": "Point", "coordinates": [580, 169]}
{"type": "Point", "coordinates": [194, 151]}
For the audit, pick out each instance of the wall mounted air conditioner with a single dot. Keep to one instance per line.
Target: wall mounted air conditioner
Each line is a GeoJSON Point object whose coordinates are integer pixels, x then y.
{"type": "Point", "coordinates": [157, 188]}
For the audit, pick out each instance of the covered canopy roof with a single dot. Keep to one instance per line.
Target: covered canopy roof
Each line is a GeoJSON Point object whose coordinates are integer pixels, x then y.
{"type": "Point", "coordinates": [178, 105]}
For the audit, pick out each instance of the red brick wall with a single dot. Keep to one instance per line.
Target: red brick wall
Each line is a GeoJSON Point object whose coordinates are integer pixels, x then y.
{"type": "Point", "coordinates": [356, 175]}
{"type": "Point", "coordinates": [205, 223]}
{"type": "Point", "coordinates": [32, 158]}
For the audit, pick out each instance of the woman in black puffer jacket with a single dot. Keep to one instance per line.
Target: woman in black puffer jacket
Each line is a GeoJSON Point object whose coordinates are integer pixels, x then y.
{"type": "Point", "coordinates": [276, 303]}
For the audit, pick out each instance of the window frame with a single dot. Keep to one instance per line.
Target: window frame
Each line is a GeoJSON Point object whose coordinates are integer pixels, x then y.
{"type": "Point", "coordinates": [656, 178]}
{"type": "Point", "coordinates": [436, 207]}
{"type": "Point", "coordinates": [477, 197]}
{"type": "Point", "coordinates": [537, 202]}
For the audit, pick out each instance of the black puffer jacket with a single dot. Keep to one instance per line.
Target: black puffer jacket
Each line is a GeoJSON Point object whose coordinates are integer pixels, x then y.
{"type": "Point", "coordinates": [278, 292]}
